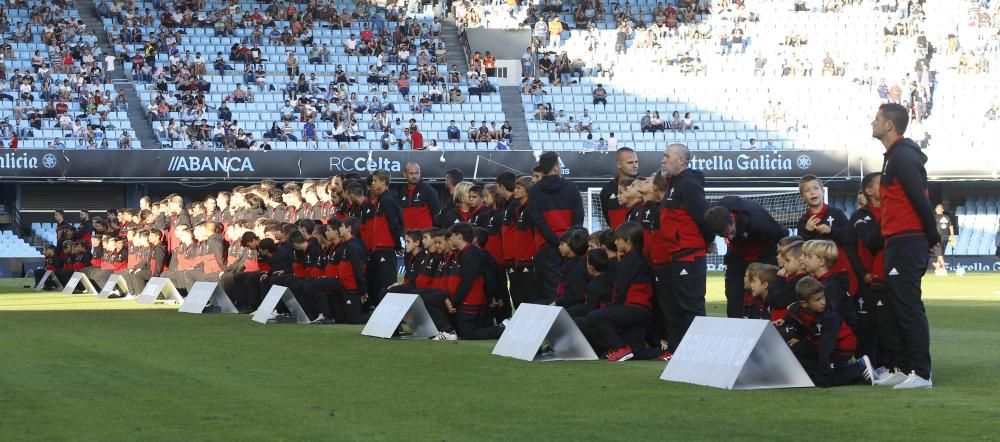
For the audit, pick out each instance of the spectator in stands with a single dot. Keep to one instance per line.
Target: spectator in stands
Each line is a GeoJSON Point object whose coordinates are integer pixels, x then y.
{"type": "Point", "coordinates": [224, 113]}
{"type": "Point", "coordinates": [675, 124]}
{"type": "Point", "coordinates": [562, 122]}
{"type": "Point", "coordinates": [454, 133]}
{"type": "Point", "coordinates": [586, 123]}
{"type": "Point", "coordinates": [688, 122]}
{"type": "Point", "coordinates": [403, 84]}
{"type": "Point", "coordinates": [600, 95]}
{"type": "Point", "coordinates": [287, 133]}
{"type": "Point", "coordinates": [657, 123]}
{"type": "Point", "coordinates": [555, 31]}
{"type": "Point", "coordinates": [646, 123]}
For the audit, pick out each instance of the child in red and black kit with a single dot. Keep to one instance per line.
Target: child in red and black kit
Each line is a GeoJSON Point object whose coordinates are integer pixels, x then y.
{"type": "Point", "coordinates": [828, 223]}
{"type": "Point", "coordinates": [620, 326]}
{"type": "Point", "coordinates": [818, 257]}
{"type": "Point", "coordinates": [764, 275]}
{"type": "Point", "coordinates": [781, 293]}
{"type": "Point", "coordinates": [573, 248]}
{"type": "Point", "coordinates": [598, 291]}
{"type": "Point", "coordinates": [53, 263]}
{"type": "Point", "coordinates": [822, 341]}
{"type": "Point", "coordinates": [466, 286]}
{"type": "Point", "coordinates": [748, 299]}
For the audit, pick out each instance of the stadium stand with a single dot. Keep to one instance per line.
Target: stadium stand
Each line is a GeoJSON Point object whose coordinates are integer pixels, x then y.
{"type": "Point", "coordinates": [324, 94]}
{"type": "Point", "coordinates": [739, 75]}
{"type": "Point", "coordinates": [755, 71]}
{"type": "Point", "coordinates": [12, 246]}
{"type": "Point", "coordinates": [55, 90]}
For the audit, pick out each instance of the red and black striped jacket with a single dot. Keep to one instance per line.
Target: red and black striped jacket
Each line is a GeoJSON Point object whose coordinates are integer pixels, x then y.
{"type": "Point", "coordinates": [867, 253]}
{"type": "Point", "coordinates": [906, 209]}
{"type": "Point", "coordinates": [465, 279]}
{"type": "Point", "coordinates": [613, 211]}
{"type": "Point", "coordinates": [682, 234]}
{"type": "Point", "coordinates": [352, 267]}
{"type": "Point", "coordinates": [414, 266]}
{"type": "Point", "coordinates": [333, 255]}
{"type": "Point", "coordinates": [383, 219]}
{"type": "Point", "coordinates": [555, 206]}
{"type": "Point", "coordinates": [419, 204]}
{"type": "Point", "coordinates": [633, 281]}
{"type": "Point", "coordinates": [425, 279]}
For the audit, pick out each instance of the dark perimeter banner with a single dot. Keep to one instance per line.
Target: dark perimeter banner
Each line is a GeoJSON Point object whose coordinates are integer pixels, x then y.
{"type": "Point", "coordinates": [174, 165]}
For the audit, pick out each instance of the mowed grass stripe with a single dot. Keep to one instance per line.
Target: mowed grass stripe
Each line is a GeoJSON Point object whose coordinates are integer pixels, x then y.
{"type": "Point", "coordinates": [155, 374]}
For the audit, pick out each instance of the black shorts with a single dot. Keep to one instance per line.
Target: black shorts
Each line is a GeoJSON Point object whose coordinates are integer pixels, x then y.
{"type": "Point", "coordinates": [940, 247]}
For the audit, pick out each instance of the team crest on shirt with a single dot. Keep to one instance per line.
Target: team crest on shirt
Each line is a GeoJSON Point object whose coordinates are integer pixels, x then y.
{"type": "Point", "coordinates": [829, 220]}
{"type": "Point", "coordinates": [819, 329]}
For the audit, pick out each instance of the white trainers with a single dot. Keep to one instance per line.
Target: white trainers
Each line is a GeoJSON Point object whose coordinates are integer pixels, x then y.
{"type": "Point", "coordinates": [881, 372]}
{"type": "Point", "coordinates": [445, 336]}
{"type": "Point", "coordinates": [866, 369]}
{"type": "Point", "coordinates": [129, 297]}
{"type": "Point", "coordinates": [892, 379]}
{"type": "Point", "coordinates": [914, 381]}
{"type": "Point", "coordinates": [940, 272]}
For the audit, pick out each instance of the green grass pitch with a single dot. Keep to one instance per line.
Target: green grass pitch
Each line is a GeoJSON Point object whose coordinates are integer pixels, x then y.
{"type": "Point", "coordinates": [79, 368]}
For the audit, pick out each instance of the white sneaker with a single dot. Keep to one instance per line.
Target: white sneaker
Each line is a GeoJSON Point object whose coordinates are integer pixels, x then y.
{"type": "Point", "coordinates": [892, 379]}
{"type": "Point", "coordinates": [866, 369]}
{"type": "Point", "coordinates": [914, 381]}
{"type": "Point", "coordinates": [319, 319]}
{"type": "Point", "coordinates": [445, 336]}
{"type": "Point", "coordinates": [881, 372]}
{"type": "Point", "coordinates": [129, 297]}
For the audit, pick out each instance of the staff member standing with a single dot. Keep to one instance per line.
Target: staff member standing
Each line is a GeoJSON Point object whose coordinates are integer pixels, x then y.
{"type": "Point", "coordinates": [910, 230]}
{"type": "Point", "coordinates": [947, 232]}
{"type": "Point", "coordinates": [752, 236]}
{"type": "Point", "coordinates": [627, 163]}
{"type": "Point", "coordinates": [680, 286]}
{"type": "Point", "coordinates": [554, 206]}
{"type": "Point", "coordinates": [418, 200]}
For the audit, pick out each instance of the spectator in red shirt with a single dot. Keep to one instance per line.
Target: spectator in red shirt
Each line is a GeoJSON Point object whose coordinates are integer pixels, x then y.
{"type": "Point", "coordinates": [416, 139]}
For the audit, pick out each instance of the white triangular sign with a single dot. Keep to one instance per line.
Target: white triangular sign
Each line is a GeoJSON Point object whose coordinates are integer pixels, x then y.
{"type": "Point", "coordinates": [396, 308]}
{"type": "Point", "coordinates": [157, 288]}
{"type": "Point", "coordinates": [280, 294]}
{"type": "Point", "coordinates": [48, 274]}
{"type": "Point", "coordinates": [114, 281]}
{"type": "Point", "coordinates": [532, 325]}
{"type": "Point", "coordinates": [735, 354]}
{"type": "Point", "coordinates": [76, 279]}
{"type": "Point", "coordinates": [204, 292]}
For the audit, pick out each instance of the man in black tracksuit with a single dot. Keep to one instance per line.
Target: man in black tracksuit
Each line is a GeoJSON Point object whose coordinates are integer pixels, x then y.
{"type": "Point", "coordinates": [681, 285]}
{"type": "Point", "coordinates": [752, 235]}
{"type": "Point", "coordinates": [385, 231]}
{"type": "Point", "coordinates": [628, 167]}
{"type": "Point", "coordinates": [554, 205]}
{"type": "Point", "coordinates": [909, 229]}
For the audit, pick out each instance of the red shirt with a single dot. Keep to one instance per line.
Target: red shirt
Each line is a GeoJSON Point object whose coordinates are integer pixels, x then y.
{"type": "Point", "coordinates": [417, 140]}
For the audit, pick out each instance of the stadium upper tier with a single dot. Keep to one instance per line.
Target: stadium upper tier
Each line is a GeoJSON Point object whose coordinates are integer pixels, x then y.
{"type": "Point", "coordinates": [763, 76]}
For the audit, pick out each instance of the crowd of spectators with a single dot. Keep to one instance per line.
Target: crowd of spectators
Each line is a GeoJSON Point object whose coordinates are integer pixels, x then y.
{"type": "Point", "coordinates": [69, 67]}
{"type": "Point", "coordinates": [330, 106]}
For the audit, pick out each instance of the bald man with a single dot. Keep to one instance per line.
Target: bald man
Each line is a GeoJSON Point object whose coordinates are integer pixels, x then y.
{"type": "Point", "coordinates": [680, 285]}
{"type": "Point", "coordinates": [627, 163]}
{"type": "Point", "coordinates": [418, 200]}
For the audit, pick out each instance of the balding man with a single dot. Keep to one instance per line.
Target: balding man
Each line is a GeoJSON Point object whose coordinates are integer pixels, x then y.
{"type": "Point", "coordinates": [680, 286]}
{"type": "Point", "coordinates": [418, 199]}
{"type": "Point", "coordinates": [627, 163]}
